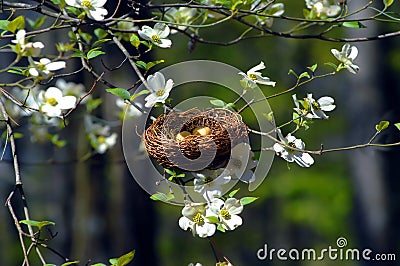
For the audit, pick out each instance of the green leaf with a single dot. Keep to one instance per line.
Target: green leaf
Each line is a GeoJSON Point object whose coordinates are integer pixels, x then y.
{"type": "Point", "coordinates": [332, 65]}
{"type": "Point", "coordinates": [247, 200]}
{"type": "Point", "coordinates": [353, 24]}
{"type": "Point", "coordinates": [98, 264]}
{"type": "Point", "coordinates": [37, 23]}
{"type": "Point", "coordinates": [70, 263]}
{"type": "Point", "coordinates": [49, 264]}
{"type": "Point", "coordinates": [233, 192]}
{"type": "Point", "coordinates": [59, 2]}
{"type": "Point", "coordinates": [100, 33]}
{"type": "Point", "coordinates": [126, 258]}
{"type": "Point", "coordinates": [36, 223]}
{"type": "Point", "coordinates": [4, 24]}
{"type": "Point", "coordinates": [141, 64]}
{"type": "Point", "coordinates": [382, 125]}
{"type": "Point", "coordinates": [98, 42]}
{"type": "Point", "coordinates": [15, 24]}
{"type": "Point", "coordinates": [388, 3]}
{"type": "Point", "coordinates": [397, 125]}
{"type": "Point", "coordinates": [134, 96]}
{"type": "Point", "coordinates": [135, 41]}
{"type": "Point", "coordinates": [269, 116]}
{"type": "Point", "coordinates": [120, 92]}
{"type": "Point", "coordinates": [153, 63]}
{"type": "Point", "coordinates": [291, 71]}
{"type": "Point", "coordinates": [94, 53]}
{"type": "Point", "coordinates": [170, 172]}
{"type": "Point", "coordinates": [220, 228]}
{"type": "Point", "coordinates": [92, 104]}
{"type": "Point", "coordinates": [313, 68]}
{"type": "Point", "coordinates": [159, 196]}
{"type": "Point", "coordinates": [213, 219]}
{"type": "Point", "coordinates": [218, 103]}
{"type": "Point", "coordinates": [113, 261]}
{"type": "Point", "coordinates": [304, 74]}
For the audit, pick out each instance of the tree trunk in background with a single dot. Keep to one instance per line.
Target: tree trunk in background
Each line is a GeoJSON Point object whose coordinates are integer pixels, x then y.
{"type": "Point", "coordinates": [365, 109]}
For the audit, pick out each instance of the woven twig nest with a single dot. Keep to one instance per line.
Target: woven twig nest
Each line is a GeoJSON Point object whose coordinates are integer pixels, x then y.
{"type": "Point", "coordinates": [194, 152]}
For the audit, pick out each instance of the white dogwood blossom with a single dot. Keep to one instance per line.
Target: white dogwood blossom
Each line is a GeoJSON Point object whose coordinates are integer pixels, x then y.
{"type": "Point", "coordinates": [347, 56]}
{"type": "Point", "coordinates": [159, 89]}
{"type": "Point", "coordinates": [311, 108]}
{"type": "Point", "coordinates": [253, 76]}
{"type": "Point", "coordinates": [157, 35]}
{"type": "Point", "coordinates": [93, 8]}
{"type": "Point", "coordinates": [209, 182]}
{"type": "Point", "coordinates": [181, 15]}
{"type": "Point", "coordinates": [44, 67]}
{"type": "Point", "coordinates": [227, 212]}
{"type": "Point", "coordinates": [194, 217]}
{"type": "Point", "coordinates": [99, 136]}
{"type": "Point", "coordinates": [25, 48]}
{"type": "Point", "coordinates": [291, 150]}
{"type": "Point", "coordinates": [53, 102]}
{"type": "Point", "coordinates": [323, 8]}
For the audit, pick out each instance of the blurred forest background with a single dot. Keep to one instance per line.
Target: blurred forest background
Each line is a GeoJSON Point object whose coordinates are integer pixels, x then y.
{"type": "Point", "coordinates": [100, 212]}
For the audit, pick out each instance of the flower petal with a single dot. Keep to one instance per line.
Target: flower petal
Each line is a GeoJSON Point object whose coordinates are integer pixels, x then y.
{"type": "Point", "coordinates": [51, 111]}
{"type": "Point", "coordinates": [97, 14]}
{"type": "Point", "coordinates": [53, 92]}
{"type": "Point", "coordinates": [55, 65]}
{"type": "Point", "coordinates": [162, 30]}
{"type": "Point", "coordinates": [67, 102]}
{"type": "Point", "coordinates": [164, 43]}
{"type": "Point", "coordinates": [260, 66]}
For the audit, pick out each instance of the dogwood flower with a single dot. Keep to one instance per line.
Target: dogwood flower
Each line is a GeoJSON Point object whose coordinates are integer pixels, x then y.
{"type": "Point", "coordinates": [267, 10]}
{"type": "Point", "coordinates": [53, 102]}
{"type": "Point", "coordinates": [197, 264]}
{"type": "Point", "coordinates": [99, 136]}
{"type": "Point", "coordinates": [241, 163]}
{"type": "Point", "coordinates": [182, 15]}
{"type": "Point", "coordinates": [25, 48]}
{"type": "Point", "coordinates": [252, 76]}
{"type": "Point", "coordinates": [157, 35]}
{"type": "Point", "coordinates": [322, 8]}
{"type": "Point", "coordinates": [311, 108]}
{"type": "Point", "coordinates": [227, 212]}
{"type": "Point", "coordinates": [44, 66]}
{"type": "Point", "coordinates": [93, 8]}
{"type": "Point", "coordinates": [194, 217]}
{"type": "Point", "coordinates": [209, 182]}
{"type": "Point", "coordinates": [347, 56]}
{"type": "Point", "coordinates": [286, 152]}
{"type": "Point", "coordinates": [159, 89]}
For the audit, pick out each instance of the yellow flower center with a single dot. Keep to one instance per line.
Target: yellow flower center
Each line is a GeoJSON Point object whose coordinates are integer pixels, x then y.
{"type": "Point", "coordinates": [52, 101]}
{"type": "Point", "coordinates": [253, 76]}
{"type": "Point", "coordinates": [160, 92]}
{"type": "Point", "coordinates": [101, 139]}
{"type": "Point", "coordinates": [315, 105]}
{"type": "Point", "coordinates": [198, 219]}
{"type": "Point", "coordinates": [225, 214]}
{"type": "Point", "coordinates": [156, 38]}
{"type": "Point", "coordinates": [208, 179]}
{"type": "Point", "coordinates": [86, 3]}
{"type": "Point", "coordinates": [292, 145]}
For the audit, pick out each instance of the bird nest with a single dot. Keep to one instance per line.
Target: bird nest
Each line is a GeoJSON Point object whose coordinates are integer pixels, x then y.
{"type": "Point", "coordinates": [225, 129]}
